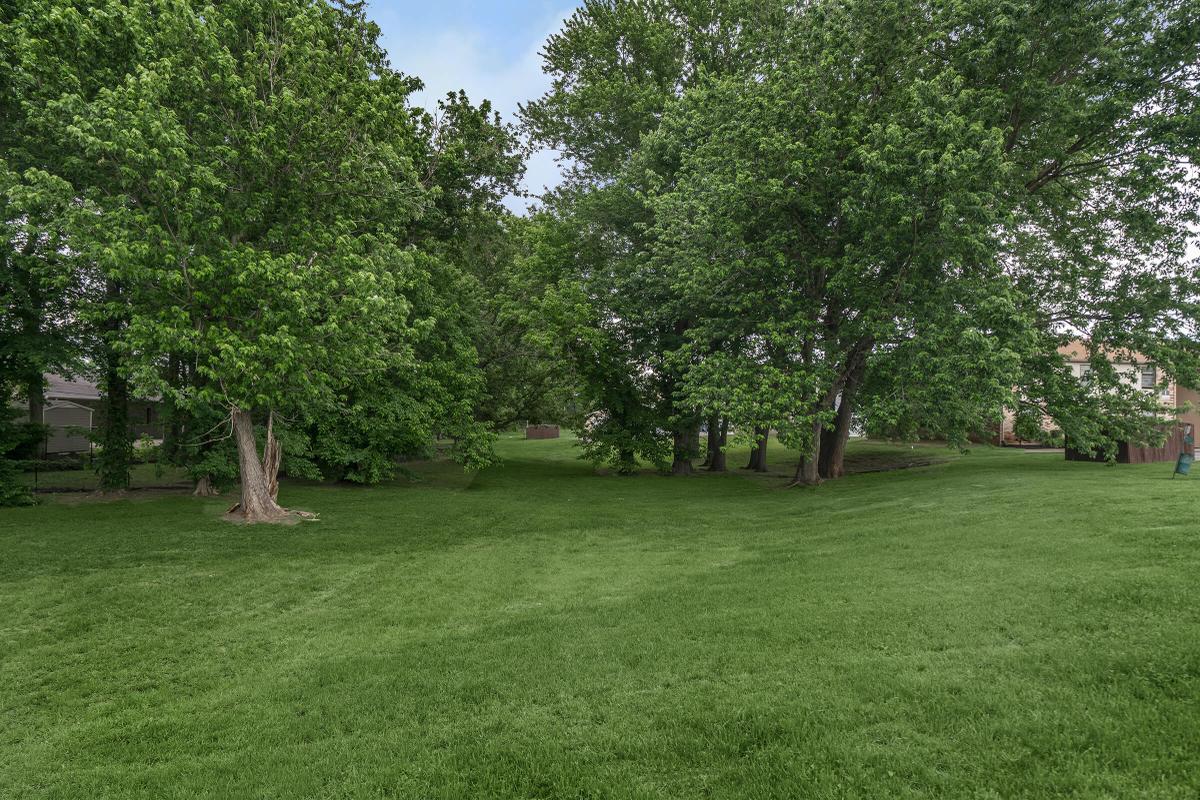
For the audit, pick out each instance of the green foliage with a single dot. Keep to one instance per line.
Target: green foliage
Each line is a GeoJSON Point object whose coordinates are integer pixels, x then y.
{"type": "Point", "coordinates": [896, 208]}
{"type": "Point", "coordinates": [274, 228]}
{"type": "Point", "coordinates": [12, 491]}
{"type": "Point", "coordinates": [527, 375]}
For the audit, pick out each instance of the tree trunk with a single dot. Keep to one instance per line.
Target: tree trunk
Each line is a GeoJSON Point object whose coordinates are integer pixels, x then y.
{"type": "Point", "coordinates": [37, 413]}
{"type": "Point", "coordinates": [204, 487]}
{"type": "Point", "coordinates": [31, 315]}
{"type": "Point", "coordinates": [833, 444]}
{"type": "Point", "coordinates": [259, 476]}
{"type": "Point", "coordinates": [171, 421]}
{"type": "Point", "coordinates": [681, 463]}
{"type": "Point", "coordinates": [116, 457]}
{"type": "Point", "coordinates": [716, 454]}
{"type": "Point", "coordinates": [714, 422]}
{"type": "Point", "coordinates": [807, 473]}
{"type": "Point", "coordinates": [626, 461]}
{"type": "Point", "coordinates": [116, 454]}
{"type": "Point", "coordinates": [758, 453]}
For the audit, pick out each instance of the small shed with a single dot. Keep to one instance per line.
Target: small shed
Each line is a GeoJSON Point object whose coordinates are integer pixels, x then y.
{"type": "Point", "coordinates": [541, 432]}
{"type": "Point", "coordinates": [75, 406]}
{"type": "Point", "coordinates": [1180, 439]}
{"type": "Point", "coordinates": [67, 421]}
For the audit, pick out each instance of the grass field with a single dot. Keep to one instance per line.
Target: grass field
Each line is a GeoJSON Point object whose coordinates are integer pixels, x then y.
{"type": "Point", "coordinates": [1001, 625]}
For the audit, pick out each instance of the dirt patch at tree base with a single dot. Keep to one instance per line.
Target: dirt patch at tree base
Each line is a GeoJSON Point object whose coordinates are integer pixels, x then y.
{"type": "Point", "coordinates": [886, 464]}
{"type": "Point", "coordinates": [289, 516]}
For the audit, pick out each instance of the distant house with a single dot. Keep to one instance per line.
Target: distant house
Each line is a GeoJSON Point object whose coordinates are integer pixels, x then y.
{"type": "Point", "coordinates": [75, 406]}
{"type": "Point", "coordinates": [1140, 372]}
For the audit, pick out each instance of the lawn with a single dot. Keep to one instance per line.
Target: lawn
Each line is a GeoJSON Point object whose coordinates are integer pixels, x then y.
{"type": "Point", "coordinates": [1001, 625]}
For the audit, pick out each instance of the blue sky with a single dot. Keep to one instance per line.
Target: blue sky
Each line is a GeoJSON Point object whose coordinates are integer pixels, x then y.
{"type": "Point", "coordinates": [487, 47]}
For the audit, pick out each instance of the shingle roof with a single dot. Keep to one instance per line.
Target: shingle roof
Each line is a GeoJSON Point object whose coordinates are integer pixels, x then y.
{"type": "Point", "coordinates": [60, 388]}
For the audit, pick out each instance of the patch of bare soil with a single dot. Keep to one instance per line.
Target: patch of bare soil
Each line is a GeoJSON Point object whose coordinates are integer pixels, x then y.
{"type": "Point", "coordinates": [855, 466]}
{"type": "Point", "coordinates": [78, 496]}
{"type": "Point", "coordinates": [287, 516]}
{"type": "Point", "coordinates": [278, 519]}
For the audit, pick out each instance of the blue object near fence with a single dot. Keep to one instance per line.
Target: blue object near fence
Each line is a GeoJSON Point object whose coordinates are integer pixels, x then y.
{"type": "Point", "coordinates": [1184, 465]}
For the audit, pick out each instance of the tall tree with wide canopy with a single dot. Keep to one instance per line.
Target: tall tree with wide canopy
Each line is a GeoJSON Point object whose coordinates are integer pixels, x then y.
{"type": "Point", "coordinates": [466, 160]}
{"type": "Point", "coordinates": [43, 288]}
{"type": "Point", "coordinates": [257, 179]}
{"type": "Point", "coordinates": [885, 187]}
{"type": "Point", "coordinates": [616, 67]}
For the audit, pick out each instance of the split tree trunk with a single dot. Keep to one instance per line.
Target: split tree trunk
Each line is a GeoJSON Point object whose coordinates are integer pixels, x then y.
{"type": "Point", "coordinates": [833, 442]}
{"type": "Point", "coordinates": [259, 475]}
{"type": "Point", "coordinates": [758, 453]}
{"type": "Point", "coordinates": [717, 438]}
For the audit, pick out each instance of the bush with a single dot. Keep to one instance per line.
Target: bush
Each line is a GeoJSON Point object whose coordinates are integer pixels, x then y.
{"type": "Point", "coordinates": [146, 450]}
{"type": "Point", "coordinates": [12, 492]}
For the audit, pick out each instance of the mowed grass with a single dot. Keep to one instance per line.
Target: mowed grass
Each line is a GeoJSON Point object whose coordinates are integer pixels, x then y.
{"type": "Point", "coordinates": [1002, 625]}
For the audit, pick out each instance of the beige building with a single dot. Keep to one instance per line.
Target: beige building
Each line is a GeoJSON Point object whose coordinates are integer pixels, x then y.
{"type": "Point", "coordinates": [1137, 371]}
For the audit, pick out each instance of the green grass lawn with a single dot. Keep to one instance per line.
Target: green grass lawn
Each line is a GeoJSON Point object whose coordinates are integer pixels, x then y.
{"type": "Point", "coordinates": [1001, 625]}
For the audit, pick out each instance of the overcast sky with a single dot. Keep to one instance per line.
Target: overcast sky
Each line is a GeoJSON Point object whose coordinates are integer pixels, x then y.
{"type": "Point", "coordinates": [489, 48]}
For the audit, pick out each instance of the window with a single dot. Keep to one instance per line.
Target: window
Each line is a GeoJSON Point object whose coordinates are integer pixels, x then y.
{"type": "Point", "coordinates": [1085, 374]}
{"type": "Point", "coordinates": [1149, 378]}
{"type": "Point", "coordinates": [149, 415]}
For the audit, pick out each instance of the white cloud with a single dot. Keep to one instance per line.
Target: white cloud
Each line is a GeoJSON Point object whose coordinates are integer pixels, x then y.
{"type": "Point", "coordinates": [462, 59]}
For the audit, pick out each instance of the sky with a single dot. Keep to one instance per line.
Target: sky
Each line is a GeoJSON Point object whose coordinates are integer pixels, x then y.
{"type": "Point", "coordinates": [489, 48]}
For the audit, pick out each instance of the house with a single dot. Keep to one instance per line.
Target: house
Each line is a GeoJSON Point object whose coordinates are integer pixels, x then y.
{"type": "Point", "coordinates": [74, 407]}
{"type": "Point", "coordinates": [1138, 371]}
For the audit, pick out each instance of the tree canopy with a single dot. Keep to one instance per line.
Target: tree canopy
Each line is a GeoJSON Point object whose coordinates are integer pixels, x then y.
{"type": "Point", "coordinates": [792, 216]}
{"type": "Point", "coordinates": [886, 211]}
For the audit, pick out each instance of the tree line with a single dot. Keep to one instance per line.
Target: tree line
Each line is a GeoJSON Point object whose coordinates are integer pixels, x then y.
{"type": "Point", "coordinates": [777, 216]}
{"type": "Point", "coordinates": [234, 207]}
{"type": "Point", "coordinates": [799, 216]}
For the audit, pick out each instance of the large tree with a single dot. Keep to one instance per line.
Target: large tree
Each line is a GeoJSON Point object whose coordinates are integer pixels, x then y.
{"type": "Point", "coordinates": [906, 191]}
{"type": "Point", "coordinates": [616, 67]}
{"type": "Point", "coordinates": [467, 160]}
{"type": "Point", "coordinates": [255, 183]}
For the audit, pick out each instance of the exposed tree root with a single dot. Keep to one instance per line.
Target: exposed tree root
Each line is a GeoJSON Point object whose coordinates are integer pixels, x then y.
{"type": "Point", "coordinates": [284, 516]}
{"type": "Point", "coordinates": [205, 488]}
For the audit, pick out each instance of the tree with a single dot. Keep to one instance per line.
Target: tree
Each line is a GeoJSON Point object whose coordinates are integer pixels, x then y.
{"type": "Point", "coordinates": [526, 375]}
{"type": "Point", "coordinates": [69, 315]}
{"type": "Point", "coordinates": [616, 66]}
{"type": "Point", "coordinates": [255, 181]}
{"type": "Point", "coordinates": [883, 186]}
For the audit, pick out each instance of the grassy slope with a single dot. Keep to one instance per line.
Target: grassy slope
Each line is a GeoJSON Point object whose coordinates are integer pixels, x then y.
{"type": "Point", "coordinates": [1006, 625]}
